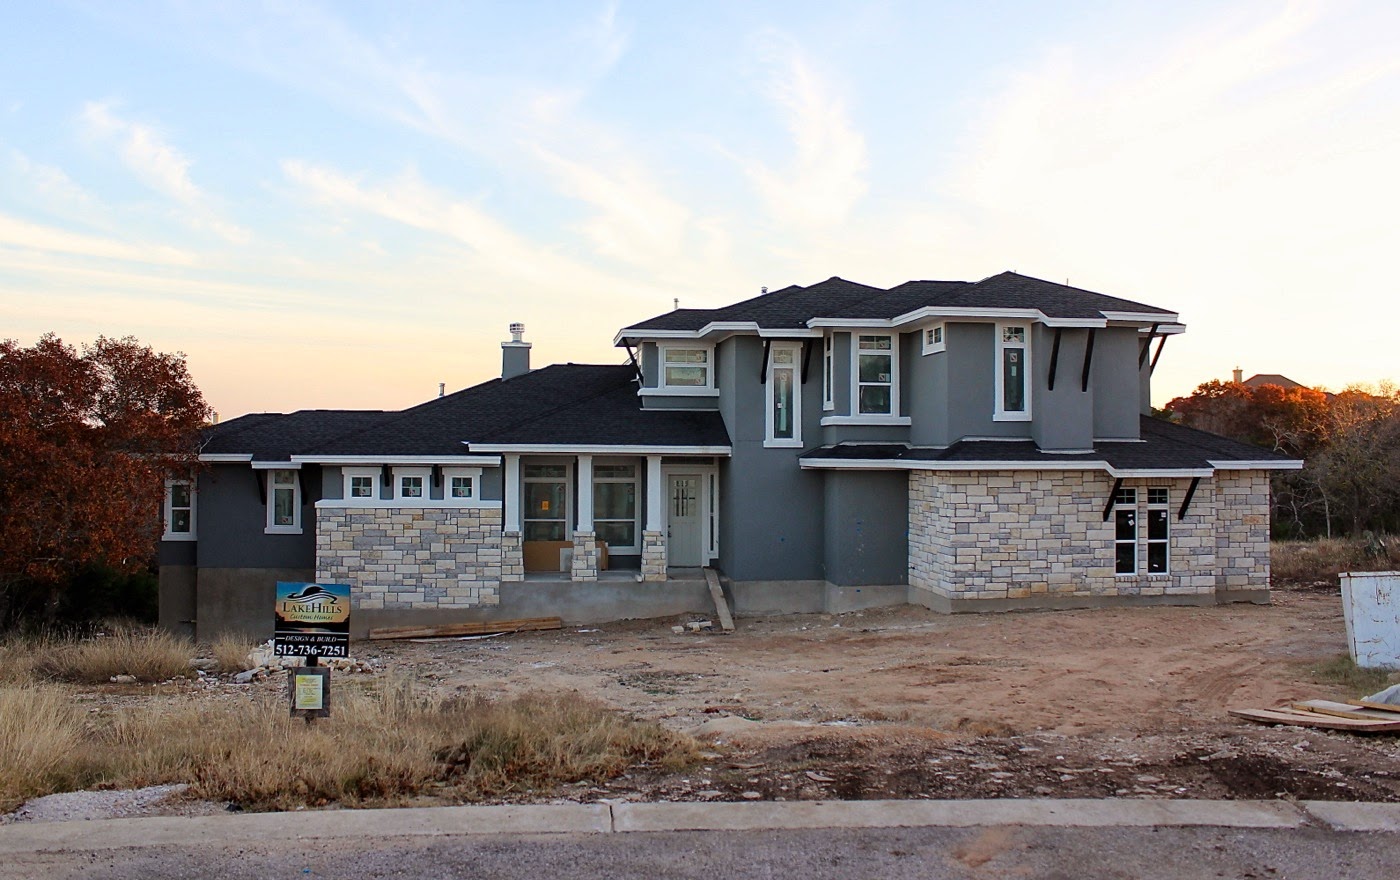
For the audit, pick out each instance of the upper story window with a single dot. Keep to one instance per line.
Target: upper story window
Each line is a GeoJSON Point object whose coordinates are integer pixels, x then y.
{"type": "Point", "coordinates": [933, 339]}
{"type": "Point", "coordinates": [460, 484]}
{"type": "Point", "coordinates": [179, 510]}
{"type": "Point", "coordinates": [686, 367]}
{"type": "Point", "coordinates": [783, 421]}
{"type": "Point", "coordinates": [411, 484]}
{"type": "Point", "coordinates": [283, 502]}
{"type": "Point", "coordinates": [876, 361]}
{"type": "Point", "coordinates": [1012, 373]}
{"type": "Point", "coordinates": [828, 371]}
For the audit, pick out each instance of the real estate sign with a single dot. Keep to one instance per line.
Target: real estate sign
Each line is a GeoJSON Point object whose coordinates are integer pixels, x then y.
{"type": "Point", "coordinates": [312, 620]}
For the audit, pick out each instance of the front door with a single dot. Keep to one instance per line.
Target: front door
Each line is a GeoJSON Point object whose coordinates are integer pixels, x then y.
{"type": "Point", "coordinates": [683, 520]}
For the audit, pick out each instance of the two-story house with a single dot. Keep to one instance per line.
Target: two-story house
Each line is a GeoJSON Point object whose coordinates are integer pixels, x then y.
{"type": "Point", "coordinates": [962, 446]}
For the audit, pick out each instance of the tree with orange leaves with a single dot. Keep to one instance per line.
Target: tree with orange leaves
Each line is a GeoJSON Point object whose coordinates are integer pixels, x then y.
{"type": "Point", "coordinates": [86, 441]}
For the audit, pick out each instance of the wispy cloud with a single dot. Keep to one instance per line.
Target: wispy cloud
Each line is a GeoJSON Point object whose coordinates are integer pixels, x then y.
{"type": "Point", "coordinates": [157, 164]}
{"type": "Point", "coordinates": [24, 235]}
{"type": "Point", "coordinates": [826, 175]}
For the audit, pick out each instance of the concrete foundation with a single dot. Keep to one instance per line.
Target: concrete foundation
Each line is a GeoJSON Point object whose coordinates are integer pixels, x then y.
{"type": "Point", "coordinates": [756, 598]}
{"type": "Point", "coordinates": [176, 602]}
{"type": "Point", "coordinates": [240, 599]}
{"type": "Point", "coordinates": [945, 605]}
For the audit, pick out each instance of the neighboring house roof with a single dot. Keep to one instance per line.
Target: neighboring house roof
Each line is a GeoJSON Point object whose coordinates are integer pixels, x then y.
{"type": "Point", "coordinates": [573, 404]}
{"type": "Point", "coordinates": [836, 298]}
{"type": "Point", "coordinates": [1260, 379]}
{"type": "Point", "coordinates": [1165, 446]}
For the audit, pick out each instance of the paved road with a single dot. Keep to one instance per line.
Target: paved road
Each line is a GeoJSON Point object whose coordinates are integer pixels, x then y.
{"type": "Point", "coordinates": [968, 839]}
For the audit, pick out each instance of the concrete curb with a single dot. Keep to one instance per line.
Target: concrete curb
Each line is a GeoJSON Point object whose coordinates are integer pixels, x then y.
{"type": "Point", "coordinates": [250, 829]}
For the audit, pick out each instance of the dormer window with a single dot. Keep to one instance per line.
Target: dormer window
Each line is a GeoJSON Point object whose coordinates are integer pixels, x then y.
{"type": "Point", "coordinates": [875, 375]}
{"type": "Point", "coordinates": [686, 368]}
{"type": "Point", "coordinates": [1012, 373]}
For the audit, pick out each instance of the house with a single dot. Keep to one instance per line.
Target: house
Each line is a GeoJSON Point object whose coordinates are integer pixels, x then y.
{"type": "Point", "coordinates": [962, 446]}
{"type": "Point", "coordinates": [1258, 380]}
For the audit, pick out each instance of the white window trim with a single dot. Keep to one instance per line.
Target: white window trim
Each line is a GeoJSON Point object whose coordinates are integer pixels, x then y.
{"type": "Point", "coordinates": [1147, 539]}
{"type": "Point", "coordinates": [855, 376]}
{"type": "Point", "coordinates": [191, 535]}
{"type": "Point", "coordinates": [934, 347]}
{"type": "Point", "coordinates": [828, 371]}
{"type": "Point", "coordinates": [407, 500]}
{"type": "Point", "coordinates": [271, 528]}
{"type": "Point", "coordinates": [998, 392]}
{"type": "Point", "coordinates": [448, 473]}
{"type": "Point", "coordinates": [375, 474]}
{"type": "Point", "coordinates": [707, 388]}
{"type": "Point", "coordinates": [568, 479]}
{"type": "Point", "coordinates": [636, 481]}
{"type": "Point", "coordinates": [768, 389]}
{"type": "Point", "coordinates": [1137, 533]}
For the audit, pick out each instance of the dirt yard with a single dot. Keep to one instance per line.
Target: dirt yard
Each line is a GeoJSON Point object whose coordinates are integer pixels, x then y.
{"type": "Point", "coordinates": [907, 703]}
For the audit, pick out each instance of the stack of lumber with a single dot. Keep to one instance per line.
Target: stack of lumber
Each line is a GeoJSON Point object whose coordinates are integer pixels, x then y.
{"type": "Point", "coordinates": [524, 624]}
{"type": "Point", "coordinates": [1358, 716]}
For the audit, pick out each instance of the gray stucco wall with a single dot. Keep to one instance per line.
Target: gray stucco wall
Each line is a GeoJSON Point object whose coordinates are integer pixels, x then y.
{"type": "Point", "coordinates": [841, 373]}
{"type": "Point", "coordinates": [972, 384]}
{"type": "Point", "coordinates": [926, 391]}
{"type": "Point", "coordinates": [867, 527]}
{"type": "Point", "coordinates": [770, 509]}
{"type": "Point", "coordinates": [232, 519]}
{"type": "Point", "coordinates": [1113, 377]}
{"type": "Point", "coordinates": [651, 372]}
{"type": "Point", "coordinates": [1063, 418]}
{"type": "Point", "coordinates": [240, 600]}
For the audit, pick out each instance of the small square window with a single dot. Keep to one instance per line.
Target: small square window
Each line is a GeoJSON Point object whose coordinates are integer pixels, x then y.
{"type": "Point", "coordinates": [362, 487]}
{"type": "Point", "coordinates": [1013, 334]}
{"type": "Point", "coordinates": [1125, 496]}
{"type": "Point", "coordinates": [1157, 496]}
{"type": "Point", "coordinates": [461, 487]}
{"type": "Point", "coordinates": [411, 487]}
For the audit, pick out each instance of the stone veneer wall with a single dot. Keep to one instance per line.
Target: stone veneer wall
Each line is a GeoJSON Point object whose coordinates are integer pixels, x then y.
{"type": "Point", "coordinates": [653, 556]}
{"type": "Point", "coordinates": [411, 557]}
{"type": "Point", "coordinates": [585, 558]}
{"type": "Point", "coordinates": [1026, 535]}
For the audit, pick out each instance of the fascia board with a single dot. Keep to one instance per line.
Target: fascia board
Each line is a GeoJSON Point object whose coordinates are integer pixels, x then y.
{"type": "Point", "coordinates": [1288, 464]}
{"type": "Point", "coordinates": [1144, 473]}
{"type": "Point", "coordinates": [221, 457]}
{"type": "Point", "coordinates": [927, 465]}
{"type": "Point", "coordinates": [599, 449]}
{"type": "Point", "coordinates": [712, 327]}
{"type": "Point", "coordinates": [790, 333]}
{"type": "Point", "coordinates": [377, 460]}
{"type": "Point", "coordinates": [1143, 317]}
{"type": "Point", "coordinates": [276, 465]}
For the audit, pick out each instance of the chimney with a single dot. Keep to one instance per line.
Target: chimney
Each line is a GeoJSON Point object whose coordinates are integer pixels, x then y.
{"type": "Point", "coordinates": [515, 355]}
{"type": "Point", "coordinates": [1239, 375]}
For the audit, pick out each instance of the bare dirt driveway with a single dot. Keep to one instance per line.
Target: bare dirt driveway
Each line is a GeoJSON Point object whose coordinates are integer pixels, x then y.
{"type": "Point", "coordinates": [903, 702]}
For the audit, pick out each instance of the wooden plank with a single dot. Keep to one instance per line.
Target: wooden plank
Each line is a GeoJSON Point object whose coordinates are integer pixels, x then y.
{"type": "Point", "coordinates": [524, 624]}
{"type": "Point", "coordinates": [726, 620]}
{"type": "Point", "coordinates": [1383, 707]}
{"type": "Point", "coordinates": [1341, 710]}
{"type": "Point", "coordinates": [1314, 719]}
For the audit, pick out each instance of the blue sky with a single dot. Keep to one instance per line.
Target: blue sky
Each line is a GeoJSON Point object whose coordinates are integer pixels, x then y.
{"type": "Point", "coordinates": [343, 205]}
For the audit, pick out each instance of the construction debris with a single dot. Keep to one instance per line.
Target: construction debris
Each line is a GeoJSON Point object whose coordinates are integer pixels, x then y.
{"type": "Point", "coordinates": [1361, 716]}
{"type": "Point", "coordinates": [726, 619]}
{"type": "Point", "coordinates": [524, 624]}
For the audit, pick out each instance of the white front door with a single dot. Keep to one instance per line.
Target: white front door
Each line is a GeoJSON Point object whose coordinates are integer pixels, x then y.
{"type": "Point", "coordinates": [683, 521]}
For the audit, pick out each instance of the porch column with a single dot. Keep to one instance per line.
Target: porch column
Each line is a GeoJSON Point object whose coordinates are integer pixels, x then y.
{"type": "Point", "coordinates": [585, 564]}
{"type": "Point", "coordinates": [512, 548]}
{"type": "Point", "coordinates": [654, 534]}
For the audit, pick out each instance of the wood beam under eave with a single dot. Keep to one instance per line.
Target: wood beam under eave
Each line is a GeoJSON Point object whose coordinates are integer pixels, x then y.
{"type": "Point", "coordinates": [1088, 360]}
{"type": "Point", "coordinates": [1112, 494]}
{"type": "Point", "coordinates": [1147, 344]}
{"type": "Point", "coordinates": [260, 480]}
{"type": "Point", "coordinates": [1054, 358]}
{"type": "Point", "coordinates": [1186, 502]}
{"type": "Point", "coordinates": [632, 356]}
{"type": "Point", "coordinates": [763, 367]}
{"type": "Point", "coordinates": [806, 357]}
{"type": "Point", "coordinates": [1161, 344]}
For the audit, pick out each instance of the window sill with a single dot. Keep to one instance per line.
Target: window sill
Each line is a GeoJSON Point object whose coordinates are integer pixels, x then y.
{"type": "Point", "coordinates": [867, 419]}
{"type": "Point", "coordinates": [782, 444]}
{"type": "Point", "coordinates": [1011, 417]}
{"type": "Point", "coordinates": [178, 536]}
{"type": "Point", "coordinates": [282, 530]}
{"type": "Point", "coordinates": [678, 391]}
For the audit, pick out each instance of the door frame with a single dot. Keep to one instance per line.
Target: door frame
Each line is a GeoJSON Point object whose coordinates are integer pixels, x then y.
{"type": "Point", "coordinates": [709, 506]}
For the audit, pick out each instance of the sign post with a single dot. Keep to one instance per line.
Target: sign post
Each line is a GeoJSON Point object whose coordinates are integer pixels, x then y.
{"type": "Point", "coordinates": [312, 621]}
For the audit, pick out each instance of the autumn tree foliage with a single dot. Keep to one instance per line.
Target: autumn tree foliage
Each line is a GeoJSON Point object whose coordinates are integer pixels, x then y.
{"type": "Point", "coordinates": [1350, 443]}
{"type": "Point", "coordinates": [86, 442]}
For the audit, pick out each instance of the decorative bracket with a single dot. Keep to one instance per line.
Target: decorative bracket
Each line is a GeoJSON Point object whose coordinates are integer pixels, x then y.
{"type": "Point", "coordinates": [1054, 358]}
{"type": "Point", "coordinates": [1190, 493]}
{"type": "Point", "coordinates": [1088, 360]}
{"type": "Point", "coordinates": [1112, 494]}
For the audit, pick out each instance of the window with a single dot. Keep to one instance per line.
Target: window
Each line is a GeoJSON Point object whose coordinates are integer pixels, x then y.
{"type": "Point", "coordinates": [615, 505]}
{"type": "Point", "coordinates": [933, 339]}
{"type": "Point", "coordinates": [783, 421]}
{"type": "Point", "coordinates": [685, 368]}
{"type": "Point", "coordinates": [410, 487]}
{"type": "Point", "coordinates": [1158, 531]}
{"type": "Point", "coordinates": [459, 487]}
{"type": "Point", "coordinates": [179, 510]}
{"type": "Point", "coordinates": [283, 502]}
{"type": "Point", "coordinates": [361, 484]}
{"type": "Point", "coordinates": [546, 502]}
{"type": "Point", "coordinates": [875, 366]}
{"type": "Point", "coordinates": [1125, 532]}
{"type": "Point", "coordinates": [828, 372]}
{"type": "Point", "coordinates": [362, 487]}
{"type": "Point", "coordinates": [1012, 370]}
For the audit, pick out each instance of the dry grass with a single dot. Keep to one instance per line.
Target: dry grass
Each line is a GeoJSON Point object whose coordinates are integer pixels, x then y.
{"type": "Point", "coordinates": [1343, 673]}
{"type": "Point", "coordinates": [385, 744]}
{"type": "Point", "coordinates": [230, 651]}
{"type": "Point", "coordinates": [1318, 562]}
{"type": "Point", "coordinates": [147, 654]}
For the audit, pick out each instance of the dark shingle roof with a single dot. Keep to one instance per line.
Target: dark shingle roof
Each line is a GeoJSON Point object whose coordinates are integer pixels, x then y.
{"type": "Point", "coordinates": [276, 436]}
{"type": "Point", "coordinates": [836, 298]}
{"type": "Point", "coordinates": [1163, 446]}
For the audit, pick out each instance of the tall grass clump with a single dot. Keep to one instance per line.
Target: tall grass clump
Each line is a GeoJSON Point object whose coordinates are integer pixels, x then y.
{"type": "Point", "coordinates": [147, 654]}
{"type": "Point", "coordinates": [40, 735]}
{"type": "Point", "coordinates": [231, 651]}
{"type": "Point", "coordinates": [1343, 673]}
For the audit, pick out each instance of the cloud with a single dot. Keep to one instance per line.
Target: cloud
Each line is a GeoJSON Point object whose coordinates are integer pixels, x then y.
{"type": "Point", "coordinates": [157, 164]}
{"type": "Point", "coordinates": [826, 176]}
{"type": "Point", "coordinates": [18, 233]}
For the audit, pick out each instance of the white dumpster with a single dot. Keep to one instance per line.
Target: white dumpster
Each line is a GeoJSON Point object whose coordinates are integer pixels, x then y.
{"type": "Point", "coordinates": [1371, 606]}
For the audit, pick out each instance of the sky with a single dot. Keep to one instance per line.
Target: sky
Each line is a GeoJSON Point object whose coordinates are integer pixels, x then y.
{"type": "Point", "coordinates": [344, 205]}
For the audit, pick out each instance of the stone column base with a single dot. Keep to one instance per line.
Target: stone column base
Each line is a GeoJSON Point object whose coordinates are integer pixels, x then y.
{"type": "Point", "coordinates": [585, 565]}
{"type": "Point", "coordinates": [653, 556]}
{"type": "Point", "coordinates": [512, 557]}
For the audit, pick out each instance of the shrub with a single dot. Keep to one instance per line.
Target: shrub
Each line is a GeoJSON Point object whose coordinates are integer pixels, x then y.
{"type": "Point", "coordinates": [230, 651]}
{"type": "Point", "coordinates": [40, 732]}
{"type": "Point", "coordinates": [147, 654]}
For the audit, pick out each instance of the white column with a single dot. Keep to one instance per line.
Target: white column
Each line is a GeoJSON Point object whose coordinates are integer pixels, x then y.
{"type": "Point", "coordinates": [585, 493]}
{"type": "Point", "coordinates": [656, 495]}
{"type": "Point", "coordinates": [510, 492]}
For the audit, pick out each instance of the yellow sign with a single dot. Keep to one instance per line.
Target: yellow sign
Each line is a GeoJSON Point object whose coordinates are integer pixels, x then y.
{"type": "Point", "coordinates": [308, 693]}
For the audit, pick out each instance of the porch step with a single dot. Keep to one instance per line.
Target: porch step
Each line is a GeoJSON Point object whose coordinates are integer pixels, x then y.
{"type": "Point", "coordinates": [726, 620]}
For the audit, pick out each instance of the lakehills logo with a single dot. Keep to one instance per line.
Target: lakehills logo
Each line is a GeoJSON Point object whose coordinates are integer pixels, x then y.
{"type": "Point", "coordinates": [313, 596]}
{"type": "Point", "coordinates": [316, 604]}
